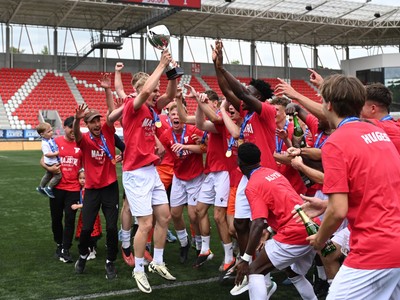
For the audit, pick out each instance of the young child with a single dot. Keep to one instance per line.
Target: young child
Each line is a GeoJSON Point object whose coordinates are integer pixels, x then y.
{"type": "Point", "coordinates": [50, 154]}
{"type": "Point", "coordinates": [97, 229]}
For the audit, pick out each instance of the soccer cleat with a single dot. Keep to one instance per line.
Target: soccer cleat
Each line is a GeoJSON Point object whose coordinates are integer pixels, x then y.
{"type": "Point", "coordinates": [58, 251]}
{"type": "Point", "coordinates": [183, 253]}
{"type": "Point", "coordinates": [111, 272]}
{"type": "Point", "coordinates": [80, 265]}
{"type": "Point", "coordinates": [228, 272]}
{"type": "Point", "coordinates": [65, 256]}
{"type": "Point", "coordinates": [170, 237]}
{"type": "Point", "coordinates": [321, 287]}
{"type": "Point", "coordinates": [161, 270]}
{"type": "Point", "coordinates": [128, 259]}
{"type": "Point", "coordinates": [142, 282]}
{"type": "Point", "coordinates": [202, 258]}
{"type": "Point", "coordinates": [40, 190]}
{"type": "Point", "coordinates": [271, 289]}
{"type": "Point", "coordinates": [92, 254]}
{"type": "Point", "coordinates": [241, 288]}
{"type": "Point", "coordinates": [48, 192]}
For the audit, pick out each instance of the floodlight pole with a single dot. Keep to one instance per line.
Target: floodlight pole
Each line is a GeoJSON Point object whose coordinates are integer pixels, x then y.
{"type": "Point", "coordinates": [55, 47]}
{"type": "Point", "coordinates": [253, 69]}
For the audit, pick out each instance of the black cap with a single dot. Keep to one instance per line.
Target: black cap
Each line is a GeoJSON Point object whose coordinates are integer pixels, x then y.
{"type": "Point", "coordinates": [69, 121]}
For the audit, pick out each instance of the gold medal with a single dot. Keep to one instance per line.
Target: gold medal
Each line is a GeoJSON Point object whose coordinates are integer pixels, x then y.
{"type": "Point", "coordinates": [228, 153]}
{"type": "Point", "coordinates": [240, 141]}
{"type": "Point", "coordinates": [158, 124]}
{"type": "Point", "coordinates": [203, 148]}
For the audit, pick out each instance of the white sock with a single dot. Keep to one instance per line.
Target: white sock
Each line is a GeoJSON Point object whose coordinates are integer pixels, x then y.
{"type": "Point", "coordinates": [139, 264]}
{"type": "Point", "coordinates": [228, 249]}
{"type": "Point", "coordinates": [198, 242]}
{"type": "Point", "coordinates": [158, 256]}
{"type": "Point", "coordinates": [205, 244]}
{"type": "Point", "coordinates": [257, 288]}
{"type": "Point", "coordinates": [183, 237]}
{"type": "Point", "coordinates": [84, 256]}
{"type": "Point", "coordinates": [304, 287]}
{"type": "Point", "coordinates": [321, 272]}
{"type": "Point", "coordinates": [125, 238]}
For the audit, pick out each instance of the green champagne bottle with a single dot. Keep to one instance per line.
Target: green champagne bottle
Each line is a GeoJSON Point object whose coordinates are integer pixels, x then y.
{"type": "Point", "coordinates": [312, 228]}
{"type": "Point", "coordinates": [298, 139]}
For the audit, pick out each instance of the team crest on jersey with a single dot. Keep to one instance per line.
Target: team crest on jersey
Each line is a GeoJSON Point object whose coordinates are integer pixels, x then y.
{"type": "Point", "coordinates": [77, 149]}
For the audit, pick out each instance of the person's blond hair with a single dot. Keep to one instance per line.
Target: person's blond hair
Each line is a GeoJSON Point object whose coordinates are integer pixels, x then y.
{"type": "Point", "coordinates": [42, 127]}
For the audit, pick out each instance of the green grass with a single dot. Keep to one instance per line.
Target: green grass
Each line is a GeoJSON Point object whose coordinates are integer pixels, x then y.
{"type": "Point", "coordinates": [29, 269]}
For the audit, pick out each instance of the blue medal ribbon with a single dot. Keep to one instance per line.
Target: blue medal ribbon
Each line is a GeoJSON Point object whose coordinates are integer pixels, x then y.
{"type": "Point", "coordinates": [156, 118]}
{"type": "Point", "coordinates": [103, 147]}
{"type": "Point", "coordinates": [243, 126]}
{"type": "Point", "coordinates": [81, 196]}
{"type": "Point", "coordinates": [347, 120]}
{"type": "Point", "coordinates": [279, 141]}
{"type": "Point", "coordinates": [230, 143]}
{"type": "Point", "coordinates": [53, 147]}
{"type": "Point", "coordinates": [317, 142]}
{"type": "Point", "coordinates": [386, 118]}
{"type": "Point", "coordinates": [203, 138]}
{"type": "Point", "coordinates": [182, 139]}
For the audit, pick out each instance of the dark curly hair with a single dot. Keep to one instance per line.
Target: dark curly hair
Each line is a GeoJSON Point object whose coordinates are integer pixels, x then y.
{"type": "Point", "coordinates": [263, 87]}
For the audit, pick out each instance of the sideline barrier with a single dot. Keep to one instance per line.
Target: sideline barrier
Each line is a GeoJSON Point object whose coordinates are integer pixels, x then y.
{"type": "Point", "coordinates": [20, 145]}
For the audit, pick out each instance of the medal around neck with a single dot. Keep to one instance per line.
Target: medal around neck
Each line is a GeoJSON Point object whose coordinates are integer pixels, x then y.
{"type": "Point", "coordinates": [159, 37]}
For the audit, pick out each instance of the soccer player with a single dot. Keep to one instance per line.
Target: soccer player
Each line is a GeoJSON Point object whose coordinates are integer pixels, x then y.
{"type": "Point", "coordinates": [272, 198]}
{"type": "Point", "coordinates": [144, 190]}
{"type": "Point", "coordinates": [364, 188]}
{"type": "Point", "coordinates": [101, 186]}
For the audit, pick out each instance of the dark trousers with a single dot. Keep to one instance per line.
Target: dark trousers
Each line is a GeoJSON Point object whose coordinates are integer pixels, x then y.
{"type": "Point", "coordinates": [108, 198]}
{"type": "Point", "coordinates": [60, 207]}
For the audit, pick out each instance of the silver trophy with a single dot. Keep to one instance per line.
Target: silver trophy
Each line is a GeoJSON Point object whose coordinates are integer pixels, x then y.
{"type": "Point", "coordinates": [159, 38]}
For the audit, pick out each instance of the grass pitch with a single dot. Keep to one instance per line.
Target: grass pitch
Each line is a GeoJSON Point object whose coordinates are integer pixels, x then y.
{"type": "Point", "coordinates": [29, 269]}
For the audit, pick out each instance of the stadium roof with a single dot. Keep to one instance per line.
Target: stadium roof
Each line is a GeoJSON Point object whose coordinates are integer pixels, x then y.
{"type": "Point", "coordinates": [325, 22]}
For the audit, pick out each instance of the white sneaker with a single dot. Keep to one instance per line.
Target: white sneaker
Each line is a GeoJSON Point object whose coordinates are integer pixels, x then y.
{"type": "Point", "coordinates": [92, 255]}
{"type": "Point", "coordinates": [142, 282]}
{"type": "Point", "coordinates": [241, 288]}
{"type": "Point", "coordinates": [161, 270]}
{"type": "Point", "coordinates": [271, 289]}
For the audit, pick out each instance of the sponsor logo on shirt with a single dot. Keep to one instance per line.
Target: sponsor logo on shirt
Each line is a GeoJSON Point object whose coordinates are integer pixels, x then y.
{"type": "Point", "coordinates": [273, 176]}
{"type": "Point", "coordinates": [374, 137]}
{"type": "Point", "coordinates": [148, 127]}
{"type": "Point", "coordinates": [97, 155]}
{"type": "Point", "coordinates": [248, 129]}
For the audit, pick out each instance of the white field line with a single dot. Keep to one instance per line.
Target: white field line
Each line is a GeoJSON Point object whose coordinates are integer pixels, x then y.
{"type": "Point", "coordinates": [136, 290]}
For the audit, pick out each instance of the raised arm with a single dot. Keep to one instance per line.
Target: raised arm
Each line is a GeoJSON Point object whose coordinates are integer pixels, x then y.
{"type": "Point", "coordinates": [201, 122]}
{"type": "Point", "coordinates": [315, 78]}
{"type": "Point", "coordinates": [79, 114]}
{"type": "Point", "coordinates": [168, 96]}
{"type": "Point", "coordinates": [283, 88]}
{"type": "Point", "coordinates": [223, 84]}
{"type": "Point", "coordinates": [183, 116]}
{"type": "Point", "coordinates": [105, 83]}
{"type": "Point", "coordinates": [119, 88]}
{"type": "Point", "coordinates": [152, 81]}
{"type": "Point", "coordinates": [233, 129]}
{"type": "Point", "coordinates": [292, 108]}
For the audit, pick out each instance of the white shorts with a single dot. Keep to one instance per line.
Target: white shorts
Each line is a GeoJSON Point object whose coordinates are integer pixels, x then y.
{"type": "Point", "coordinates": [342, 237]}
{"type": "Point", "coordinates": [215, 189]}
{"type": "Point", "coordinates": [242, 206]}
{"type": "Point", "coordinates": [298, 257]}
{"type": "Point", "coordinates": [143, 188]}
{"type": "Point", "coordinates": [185, 192]}
{"type": "Point", "coordinates": [352, 283]}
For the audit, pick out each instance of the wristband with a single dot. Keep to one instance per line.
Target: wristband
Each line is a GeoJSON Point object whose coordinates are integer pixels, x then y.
{"type": "Point", "coordinates": [246, 257]}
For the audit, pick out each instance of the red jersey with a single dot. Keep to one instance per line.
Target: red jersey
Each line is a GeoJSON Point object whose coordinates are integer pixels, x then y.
{"type": "Point", "coordinates": [168, 159]}
{"type": "Point", "coordinates": [139, 137]}
{"type": "Point", "coordinates": [100, 171]}
{"type": "Point", "coordinates": [71, 161]}
{"type": "Point", "coordinates": [216, 160]}
{"type": "Point", "coordinates": [271, 197]}
{"type": "Point", "coordinates": [392, 128]}
{"type": "Point", "coordinates": [368, 170]}
{"type": "Point", "coordinates": [260, 130]}
{"type": "Point", "coordinates": [189, 165]}
{"type": "Point", "coordinates": [288, 171]}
